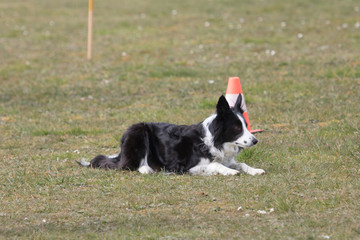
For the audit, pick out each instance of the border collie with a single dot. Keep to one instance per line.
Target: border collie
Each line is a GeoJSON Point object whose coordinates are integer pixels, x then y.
{"type": "Point", "coordinates": [207, 148]}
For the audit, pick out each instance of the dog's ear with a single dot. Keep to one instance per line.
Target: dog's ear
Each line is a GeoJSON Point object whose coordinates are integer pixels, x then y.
{"type": "Point", "coordinates": [238, 104]}
{"type": "Point", "coordinates": [222, 106]}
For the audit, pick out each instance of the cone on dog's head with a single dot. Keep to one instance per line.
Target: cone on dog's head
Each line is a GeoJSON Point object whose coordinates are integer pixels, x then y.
{"type": "Point", "coordinates": [232, 92]}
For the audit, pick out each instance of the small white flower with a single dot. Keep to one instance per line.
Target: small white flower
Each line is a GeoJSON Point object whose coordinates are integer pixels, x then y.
{"type": "Point", "coordinates": [300, 35]}
{"type": "Point", "coordinates": [174, 12]}
{"type": "Point", "coordinates": [123, 54]}
{"type": "Point", "coordinates": [247, 215]}
{"type": "Point", "coordinates": [323, 48]}
{"type": "Point", "coordinates": [77, 151]}
{"type": "Point", "coordinates": [25, 219]}
{"type": "Point", "coordinates": [261, 212]}
{"type": "Point", "coordinates": [239, 208]}
{"type": "Point", "coordinates": [265, 212]}
{"type": "Point", "coordinates": [207, 24]}
{"type": "Point", "coordinates": [211, 81]}
{"type": "Point", "coordinates": [105, 81]}
{"type": "Point", "coordinates": [44, 220]}
{"type": "Point", "coordinates": [283, 24]}
{"type": "Point", "coordinates": [325, 236]}
{"type": "Point", "coordinates": [270, 52]}
{"type": "Point", "coordinates": [357, 25]}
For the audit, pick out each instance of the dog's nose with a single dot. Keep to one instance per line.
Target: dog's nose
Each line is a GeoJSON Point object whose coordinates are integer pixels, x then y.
{"type": "Point", "coordinates": [254, 141]}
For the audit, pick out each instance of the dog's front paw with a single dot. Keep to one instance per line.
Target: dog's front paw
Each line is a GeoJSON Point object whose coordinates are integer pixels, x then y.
{"type": "Point", "coordinates": [256, 171]}
{"type": "Point", "coordinates": [230, 172]}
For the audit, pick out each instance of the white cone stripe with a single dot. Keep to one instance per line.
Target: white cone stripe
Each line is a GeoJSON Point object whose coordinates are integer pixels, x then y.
{"type": "Point", "coordinates": [243, 104]}
{"type": "Point", "coordinates": [231, 99]}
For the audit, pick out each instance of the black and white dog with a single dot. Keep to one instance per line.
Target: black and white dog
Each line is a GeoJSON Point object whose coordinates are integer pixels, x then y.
{"type": "Point", "coordinates": [207, 148]}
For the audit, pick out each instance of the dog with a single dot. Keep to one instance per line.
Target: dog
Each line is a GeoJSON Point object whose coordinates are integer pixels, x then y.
{"type": "Point", "coordinates": [206, 148]}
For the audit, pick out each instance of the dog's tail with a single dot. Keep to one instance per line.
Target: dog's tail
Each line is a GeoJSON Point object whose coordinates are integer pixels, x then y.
{"type": "Point", "coordinates": [101, 161]}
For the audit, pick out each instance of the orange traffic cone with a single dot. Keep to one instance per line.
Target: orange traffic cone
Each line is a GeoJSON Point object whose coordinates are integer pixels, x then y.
{"type": "Point", "coordinates": [232, 92]}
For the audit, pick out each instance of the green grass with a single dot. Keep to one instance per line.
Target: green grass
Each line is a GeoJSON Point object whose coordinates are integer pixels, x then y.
{"type": "Point", "coordinates": [151, 65]}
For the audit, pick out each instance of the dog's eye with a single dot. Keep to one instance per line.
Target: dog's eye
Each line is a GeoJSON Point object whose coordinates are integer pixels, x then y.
{"type": "Point", "coordinates": [238, 127]}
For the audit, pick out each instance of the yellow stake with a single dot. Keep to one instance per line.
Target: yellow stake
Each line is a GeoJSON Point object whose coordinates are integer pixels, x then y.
{"type": "Point", "coordinates": [90, 27]}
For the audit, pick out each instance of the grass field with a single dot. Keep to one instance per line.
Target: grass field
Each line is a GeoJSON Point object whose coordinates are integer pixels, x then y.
{"type": "Point", "coordinates": [299, 64]}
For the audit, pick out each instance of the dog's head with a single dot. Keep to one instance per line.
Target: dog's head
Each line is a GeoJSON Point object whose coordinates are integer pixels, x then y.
{"type": "Point", "coordinates": [229, 128]}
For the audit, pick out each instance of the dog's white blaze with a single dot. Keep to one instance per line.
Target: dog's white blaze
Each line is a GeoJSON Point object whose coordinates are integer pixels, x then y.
{"type": "Point", "coordinates": [246, 139]}
{"type": "Point", "coordinates": [144, 167]}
